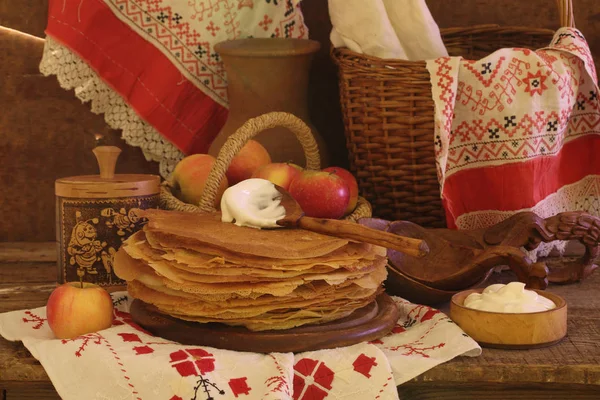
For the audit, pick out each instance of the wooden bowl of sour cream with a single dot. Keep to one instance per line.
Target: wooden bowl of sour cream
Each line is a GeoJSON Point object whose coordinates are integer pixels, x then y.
{"type": "Point", "coordinates": [511, 330]}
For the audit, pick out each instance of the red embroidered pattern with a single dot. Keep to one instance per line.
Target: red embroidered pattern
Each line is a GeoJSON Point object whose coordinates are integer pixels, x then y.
{"type": "Point", "coordinates": [192, 362]}
{"type": "Point", "coordinates": [94, 338]}
{"type": "Point", "coordinates": [312, 380]}
{"type": "Point", "coordinates": [239, 386]}
{"type": "Point", "coordinates": [98, 339]}
{"type": "Point", "coordinates": [540, 134]}
{"type": "Point", "coordinates": [129, 337]}
{"type": "Point", "coordinates": [486, 69]}
{"type": "Point", "coordinates": [515, 132]}
{"type": "Point", "coordinates": [266, 21]}
{"type": "Point", "coordinates": [180, 40]}
{"type": "Point", "coordinates": [34, 318]}
{"type": "Point", "coordinates": [445, 82]}
{"type": "Point", "coordinates": [192, 50]}
{"type": "Point", "coordinates": [143, 350]}
{"type": "Point", "coordinates": [417, 347]}
{"type": "Point", "coordinates": [535, 83]}
{"type": "Point", "coordinates": [389, 379]}
{"type": "Point", "coordinates": [245, 3]}
{"type": "Point", "coordinates": [278, 383]}
{"type": "Point", "coordinates": [124, 318]}
{"type": "Point", "coordinates": [363, 365]}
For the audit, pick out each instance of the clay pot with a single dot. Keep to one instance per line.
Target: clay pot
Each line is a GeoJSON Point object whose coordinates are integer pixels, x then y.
{"type": "Point", "coordinates": [267, 75]}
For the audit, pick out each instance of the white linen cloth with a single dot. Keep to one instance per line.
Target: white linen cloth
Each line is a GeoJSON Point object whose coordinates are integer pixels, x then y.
{"type": "Point", "coordinates": [400, 29]}
{"type": "Point", "coordinates": [125, 362]}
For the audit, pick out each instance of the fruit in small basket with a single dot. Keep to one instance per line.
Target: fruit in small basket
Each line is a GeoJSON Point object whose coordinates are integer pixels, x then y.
{"type": "Point", "coordinates": [250, 158]}
{"type": "Point", "coordinates": [281, 174]}
{"type": "Point", "coordinates": [190, 176]}
{"type": "Point", "coordinates": [75, 308]}
{"type": "Point", "coordinates": [352, 185]}
{"type": "Point", "coordinates": [320, 194]}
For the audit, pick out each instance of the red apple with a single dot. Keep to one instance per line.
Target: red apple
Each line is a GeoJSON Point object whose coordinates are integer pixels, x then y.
{"type": "Point", "coordinates": [320, 194]}
{"type": "Point", "coordinates": [281, 174]}
{"type": "Point", "coordinates": [352, 185]}
{"type": "Point", "coordinates": [75, 309]}
{"type": "Point", "coordinates": [250, 158]}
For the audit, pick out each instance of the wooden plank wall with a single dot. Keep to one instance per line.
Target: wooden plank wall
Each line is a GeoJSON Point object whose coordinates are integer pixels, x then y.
{"type": "Point", "coordinates": [45, 133]}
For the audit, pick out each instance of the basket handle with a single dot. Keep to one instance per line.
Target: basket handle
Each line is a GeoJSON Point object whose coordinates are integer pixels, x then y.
{"type": "Point", "coordinates": [565, 11]}
{"type": "Point", "coordinates": [250, 129]}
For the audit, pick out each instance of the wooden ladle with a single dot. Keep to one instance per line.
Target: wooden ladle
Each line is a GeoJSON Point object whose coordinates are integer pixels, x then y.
{"type": "Point", "coordinates": [295, 218]}
{"type": "Point", "coordinates": [458, 259]}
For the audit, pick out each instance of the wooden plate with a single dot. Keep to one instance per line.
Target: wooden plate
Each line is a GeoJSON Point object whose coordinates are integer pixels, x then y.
{"type": "Point", "coordinates": [368, 323]}
{"type": "Point", "coordinates": [511, 331]}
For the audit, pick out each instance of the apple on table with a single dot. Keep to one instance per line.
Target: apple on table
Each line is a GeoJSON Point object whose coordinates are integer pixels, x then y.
{"type": "Point", "coordinates": [77, 308]}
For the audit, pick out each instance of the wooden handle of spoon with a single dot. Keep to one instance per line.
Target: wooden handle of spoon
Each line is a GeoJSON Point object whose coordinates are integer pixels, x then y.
{"type": "Point", "coordinates": [354, 231]}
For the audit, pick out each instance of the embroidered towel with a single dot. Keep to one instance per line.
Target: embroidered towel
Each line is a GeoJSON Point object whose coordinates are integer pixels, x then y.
{"type": "Point", "coordinates": [518, 130]}
{"type": "Point", "coordinates": [150, 66]}
{"type": "Point", "coordinates": [125, 362]}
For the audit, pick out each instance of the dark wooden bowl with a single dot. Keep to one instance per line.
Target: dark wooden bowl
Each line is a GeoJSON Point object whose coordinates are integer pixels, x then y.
{"type": "Point", "coordinates": [399, 284]}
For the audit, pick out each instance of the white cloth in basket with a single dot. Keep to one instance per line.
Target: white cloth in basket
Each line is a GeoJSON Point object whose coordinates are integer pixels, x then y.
{"type": "Point", "coordinates": [400, 29]}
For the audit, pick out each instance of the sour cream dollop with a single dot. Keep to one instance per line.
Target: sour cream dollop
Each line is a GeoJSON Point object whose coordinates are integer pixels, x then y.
{"type": "Point", "coordinates": [254, 203]}
{"type": "Point", "coordinates": [511, 298]}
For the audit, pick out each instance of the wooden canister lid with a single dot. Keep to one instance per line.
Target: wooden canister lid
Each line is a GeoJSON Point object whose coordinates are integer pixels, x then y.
{"type": "Point", "coordinates": [121, 185]}
{"type": "Point", "coordinates": [107, 184]}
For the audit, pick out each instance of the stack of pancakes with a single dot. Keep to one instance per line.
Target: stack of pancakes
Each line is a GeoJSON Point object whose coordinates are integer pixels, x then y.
{"type": "Point", "coordinates": [197, 268]}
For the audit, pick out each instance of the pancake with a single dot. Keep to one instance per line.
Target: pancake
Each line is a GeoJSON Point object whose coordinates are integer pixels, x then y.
{"type": "Point", "coordinates": [207, 228]}
{"type": "Point", "coordinates": [169, 243]}
{"type": "Point", "coordinates": [196, 268]}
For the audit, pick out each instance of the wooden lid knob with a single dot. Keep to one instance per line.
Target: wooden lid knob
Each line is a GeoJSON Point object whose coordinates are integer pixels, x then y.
{"type": "Point", "coordinates": [107, 160]}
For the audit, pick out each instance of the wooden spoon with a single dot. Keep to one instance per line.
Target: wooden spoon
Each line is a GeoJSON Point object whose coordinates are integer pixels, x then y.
{"type": "Point", "coordinates": [295, 218]}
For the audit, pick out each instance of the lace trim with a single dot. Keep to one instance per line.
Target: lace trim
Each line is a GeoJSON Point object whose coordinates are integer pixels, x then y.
{"type": "Point", "coordinates": [583, 195]}
{"type": "Point", "coordinates": [73, 73]}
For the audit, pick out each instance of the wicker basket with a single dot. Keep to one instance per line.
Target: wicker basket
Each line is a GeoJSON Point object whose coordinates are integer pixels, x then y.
{"type": "Point", "coordinates": [233, 145]}
{"type": "Point", "coordinates": [389, 118]}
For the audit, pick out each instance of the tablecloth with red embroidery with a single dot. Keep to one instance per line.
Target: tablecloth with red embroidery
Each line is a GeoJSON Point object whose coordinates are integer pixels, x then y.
{"type": "Point", "coordinates": [518, 130]}
{"type": "Point", "coordinates": [126, 362]}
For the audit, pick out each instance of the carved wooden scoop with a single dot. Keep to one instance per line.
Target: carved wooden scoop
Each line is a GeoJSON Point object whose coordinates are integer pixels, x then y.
{"type": "Point", "coordinates": [458, 259]}
{"type": "Point", "coordinates": [294, 217]}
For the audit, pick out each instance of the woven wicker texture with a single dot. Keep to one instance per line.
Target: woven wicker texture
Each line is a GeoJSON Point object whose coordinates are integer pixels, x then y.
{"type": "Point", "coordinates": [234, 144]}
{"type": "Point", "coordinates": [389, 118]}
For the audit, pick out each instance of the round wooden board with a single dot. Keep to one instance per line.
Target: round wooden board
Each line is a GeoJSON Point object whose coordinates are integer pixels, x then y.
{"type": "Point", "coordinates": [368, 323]}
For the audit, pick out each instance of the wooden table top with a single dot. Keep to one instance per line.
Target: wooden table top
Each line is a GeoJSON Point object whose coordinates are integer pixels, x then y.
{"type": "Point", "coordinates": [569, 369]}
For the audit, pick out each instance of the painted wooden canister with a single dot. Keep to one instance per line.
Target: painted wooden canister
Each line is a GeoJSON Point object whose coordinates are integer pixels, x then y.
{"type": "Point", "coordinates": [95, 214]}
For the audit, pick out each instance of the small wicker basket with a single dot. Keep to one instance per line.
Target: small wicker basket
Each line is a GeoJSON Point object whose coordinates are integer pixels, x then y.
{"type": "Point", "coordinates": [389, 118]}
{"type": "Point", "coordinates": [234, 144]}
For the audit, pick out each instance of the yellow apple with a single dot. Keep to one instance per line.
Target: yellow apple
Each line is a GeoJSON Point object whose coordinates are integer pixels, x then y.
{"type": "Point", "coordinates": [76, 308]}
{"type": "Point", "coordinates": [189, 178]}
{"type": "Point", "coordinates": [281, 174]}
